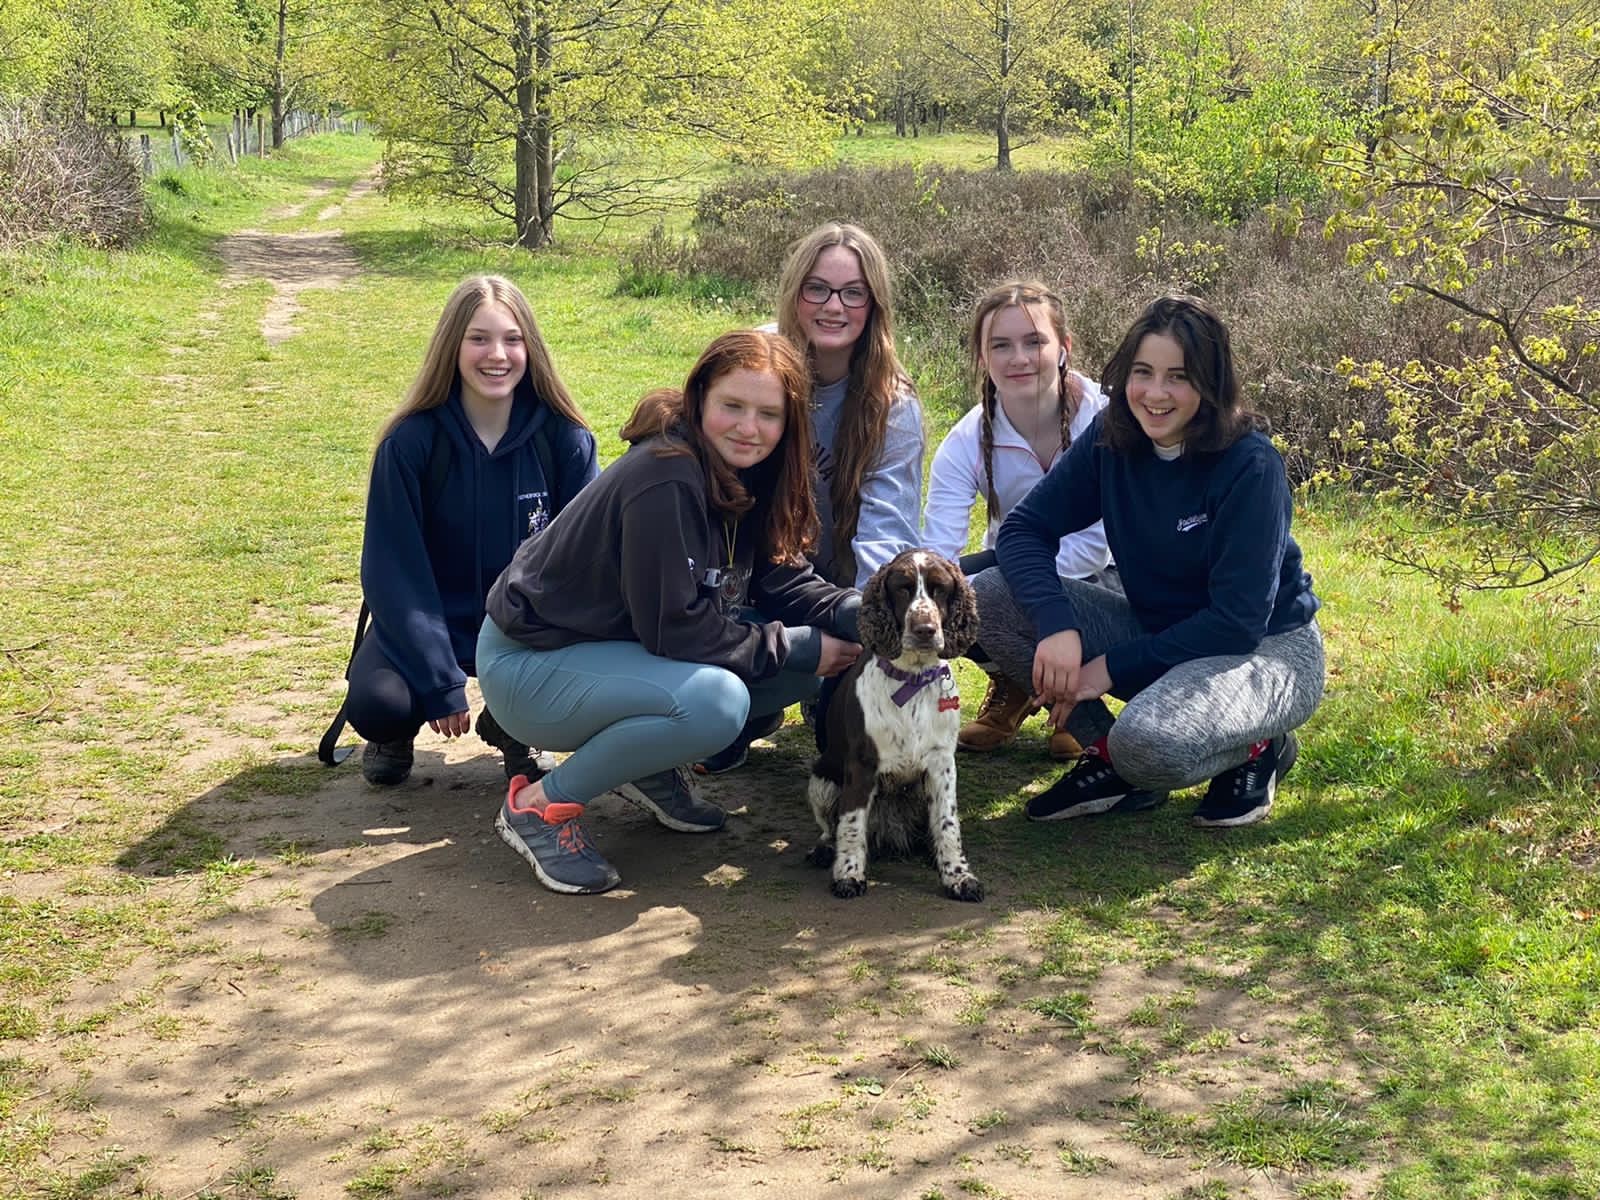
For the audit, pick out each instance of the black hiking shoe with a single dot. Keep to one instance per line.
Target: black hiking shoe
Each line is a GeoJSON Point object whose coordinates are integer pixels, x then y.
{"type": "Point", "coordinates": [519, 759]}
{"type": "Point", "coordinates": [1090, 788]}
{"type": "Point", "coordinates": [385, 764]}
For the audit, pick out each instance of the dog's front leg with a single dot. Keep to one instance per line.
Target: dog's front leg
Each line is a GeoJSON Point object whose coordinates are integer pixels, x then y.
{"type": "Point", "coordinates": [850, 835]}
{"type": "Point", "coordinates": [944, 833]}
{"type": "Point", "coordinates": [824, 797]}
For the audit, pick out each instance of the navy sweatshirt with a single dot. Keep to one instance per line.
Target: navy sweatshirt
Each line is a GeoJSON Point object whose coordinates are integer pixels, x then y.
{"type": "Point", "coordinates": [426, 574]}
{"type": "Point", "coordinates": [1202, 544]}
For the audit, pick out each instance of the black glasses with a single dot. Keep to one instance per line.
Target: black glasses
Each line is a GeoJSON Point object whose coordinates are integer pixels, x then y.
{"type": "Point", "coordinates": [814, 291]}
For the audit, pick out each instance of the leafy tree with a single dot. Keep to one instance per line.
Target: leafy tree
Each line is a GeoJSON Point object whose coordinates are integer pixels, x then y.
{"type": "Point", "coordinates": [532, 108]}
{"type": "Point", "coordinates": [1206, 96]}
{"type": "Point", "coordinates": [1006, 58]}
{"type": "Point", "coordinates": [87, 56]}
{"type": "Point", "coordinates": [1476, 191]}
{"type": "Point", "coordinates": [272, 54]}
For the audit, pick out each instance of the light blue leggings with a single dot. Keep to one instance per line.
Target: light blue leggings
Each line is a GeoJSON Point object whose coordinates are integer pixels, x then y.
{"type": "Point", "coordinates": [623, 712]}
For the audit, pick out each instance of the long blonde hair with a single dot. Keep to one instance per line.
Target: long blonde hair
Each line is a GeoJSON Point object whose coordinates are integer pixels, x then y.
{"type": "Point", "coordinates": [1023, 294]}
{"type": "Point", "coordinates": [431, 387]}
{"type": "Point", "coordinates": [875, 379]}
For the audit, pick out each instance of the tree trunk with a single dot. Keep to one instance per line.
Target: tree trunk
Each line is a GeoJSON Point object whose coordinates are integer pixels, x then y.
{"type": "Point", "coordinates": [534, 157]}
{"type": "Point", "coordinates": [1130, 85]}
{"type": "Point", "coordinates": [1002, 130]}
{"type": "Point", "coordinates": [279, 52]}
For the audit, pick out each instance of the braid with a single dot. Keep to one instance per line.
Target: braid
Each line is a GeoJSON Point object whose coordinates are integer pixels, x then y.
{"type": "Point", "coordinates": [1069, 396]}
{"type": "Point", "coordinates": [986, 446]}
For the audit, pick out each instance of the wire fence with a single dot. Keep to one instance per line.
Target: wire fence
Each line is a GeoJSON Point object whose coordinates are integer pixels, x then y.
{"type": "Point", "coordinates": [242, 137]}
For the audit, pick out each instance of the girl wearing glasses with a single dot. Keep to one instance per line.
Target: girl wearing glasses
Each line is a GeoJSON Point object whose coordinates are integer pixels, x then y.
{"type": "Point", "coordinates": [834, 303]}
{"type": "Point", "coordinates": [866, 421]}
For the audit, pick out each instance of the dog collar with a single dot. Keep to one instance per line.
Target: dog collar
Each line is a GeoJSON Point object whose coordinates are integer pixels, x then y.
{"type": "Point", "coordinates": [911, 682]}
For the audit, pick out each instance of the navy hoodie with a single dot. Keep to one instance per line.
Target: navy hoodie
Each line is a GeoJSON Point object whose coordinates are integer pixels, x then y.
{"type": "Point", "coordinates": [1202, 544]}
{"type": "Point", "coordinates": [426, 575]}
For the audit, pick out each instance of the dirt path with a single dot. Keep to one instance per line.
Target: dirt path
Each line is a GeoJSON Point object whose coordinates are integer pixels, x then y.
{"type": "Point", "coordinates": [293, 262]}
{"type": "Point", "coordinates": [369, 995]}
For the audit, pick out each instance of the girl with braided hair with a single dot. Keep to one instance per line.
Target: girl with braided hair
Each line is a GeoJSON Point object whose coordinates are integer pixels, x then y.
{"type": "Point", "coordinates": [1031, 407]}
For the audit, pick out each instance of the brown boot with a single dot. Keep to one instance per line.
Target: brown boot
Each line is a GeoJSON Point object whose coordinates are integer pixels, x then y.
{"type": "Point", "coordinates": [1063, 746]}
{"type": "Point", "coordinates": [1004, 710]}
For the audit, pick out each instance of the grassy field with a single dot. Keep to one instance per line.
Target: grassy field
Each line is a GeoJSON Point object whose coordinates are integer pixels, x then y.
{"type": "Point", "coordinates": [1390, 989]}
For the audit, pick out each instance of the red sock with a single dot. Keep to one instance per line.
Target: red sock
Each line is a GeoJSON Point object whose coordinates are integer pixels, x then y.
{"type": "Point", "coordinates": [1257, 749]}
{"type": "Point", "coordinates": [1099, 748]}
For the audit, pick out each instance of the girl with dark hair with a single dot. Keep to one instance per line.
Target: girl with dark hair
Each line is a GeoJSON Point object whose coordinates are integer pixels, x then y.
{"type": "Point", "coordinates": [1215, 648]}
{"type": "Point", "coordinates": [458, 481]}
{"type": "Point", "coordinates": [1031, 407]}
{"type": "Point", "coordinates": [666, 605]}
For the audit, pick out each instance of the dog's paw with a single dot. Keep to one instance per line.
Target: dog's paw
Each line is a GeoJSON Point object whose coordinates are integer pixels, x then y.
{"type": "Point", "coordinates": [849, 889]}
{"type": "Point", "coordinates": [821, 855]}
{"type": "Point", "coordinates": [964, 887]}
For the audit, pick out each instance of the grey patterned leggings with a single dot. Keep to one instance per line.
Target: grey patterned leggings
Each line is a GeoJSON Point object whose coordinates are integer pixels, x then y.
{"type": "Point", "coordinates": [1197, 720]}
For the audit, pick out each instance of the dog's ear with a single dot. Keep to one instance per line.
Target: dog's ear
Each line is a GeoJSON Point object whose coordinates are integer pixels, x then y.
{"type": "Point", "coordinates": [961, 622]}
{"type": "Point", "coordinates": [880, 633]}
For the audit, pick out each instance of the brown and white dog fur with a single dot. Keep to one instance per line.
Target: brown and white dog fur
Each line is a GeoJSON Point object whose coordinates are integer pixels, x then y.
{"type": "Point", "coordinates": [890, 767]}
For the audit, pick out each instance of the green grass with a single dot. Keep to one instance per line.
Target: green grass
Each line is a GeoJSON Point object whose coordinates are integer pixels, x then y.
{"type": "Point", "coordinates": [1409, 945]}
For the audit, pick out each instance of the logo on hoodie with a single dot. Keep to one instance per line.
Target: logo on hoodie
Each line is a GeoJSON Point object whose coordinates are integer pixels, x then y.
{"type": "Point", "coordinates": [538, 514]}
{"type": "Point", "coordinates": [1186, 524]}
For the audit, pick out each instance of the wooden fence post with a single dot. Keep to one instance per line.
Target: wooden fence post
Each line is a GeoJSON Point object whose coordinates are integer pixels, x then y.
{"type": "Point", "coordinates": [177, 148]}
{"type": "Point", "coordinates": [145, 156]}
{"type": "Point", "coordinates": [261, 135]}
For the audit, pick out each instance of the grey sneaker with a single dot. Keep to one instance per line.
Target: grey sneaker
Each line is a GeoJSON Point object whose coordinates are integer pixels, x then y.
{"type": "Point", "coordinates": [672, 799]}
{"type": "Point", "coordinates": [385, 764]}
{"type": "Point", "coordinates": [556, 845]}
{"type": "Point", "coordinates": [519, 759]}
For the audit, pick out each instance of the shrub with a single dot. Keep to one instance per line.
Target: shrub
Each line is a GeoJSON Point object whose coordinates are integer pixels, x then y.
{"type": "Point", "coordinates": [64, 177]}
{"type": "Point", "coordinates": [1295, 307]}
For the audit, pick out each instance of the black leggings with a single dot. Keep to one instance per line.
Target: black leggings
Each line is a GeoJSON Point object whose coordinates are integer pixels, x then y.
{"type": "Point", "coordinates": [381, 706]}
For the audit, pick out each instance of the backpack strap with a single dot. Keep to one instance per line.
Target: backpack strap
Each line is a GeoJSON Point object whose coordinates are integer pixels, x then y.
{"type": "Point", "coordinates": [329, 752]}
{"type": "Point", "coordinates": [546, 456]}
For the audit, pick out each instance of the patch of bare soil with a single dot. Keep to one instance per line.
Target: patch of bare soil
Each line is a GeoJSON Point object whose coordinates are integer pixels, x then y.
{"type": "Point", "coordinates": [389, 995]}
{"type": "Point", "coordinates": [292, 263]}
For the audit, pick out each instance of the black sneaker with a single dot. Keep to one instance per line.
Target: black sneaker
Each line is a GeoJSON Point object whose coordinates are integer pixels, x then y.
{"type": "Point", "coordinates": [1090, 788]}
{"type": "Point", "coordinates": [519, 759]}
{"type": "Point", "coordinates": [1244, 795]}
{"type": "Point", "coordinates": [385, 764]}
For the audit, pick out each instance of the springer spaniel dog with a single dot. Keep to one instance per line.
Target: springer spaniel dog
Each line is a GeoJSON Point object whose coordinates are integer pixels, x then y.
{"type": "Point", "coordinates": [890, 770]}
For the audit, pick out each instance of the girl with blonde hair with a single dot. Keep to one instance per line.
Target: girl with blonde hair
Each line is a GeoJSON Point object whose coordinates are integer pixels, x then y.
{"type": "Point", "coordinates": [1031, 406]}
{"type": "Point", "coordinates": [487, 447]}
{"type": "Point", "coordinates": [835, 303]}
